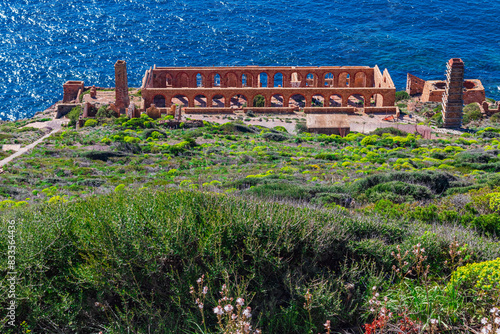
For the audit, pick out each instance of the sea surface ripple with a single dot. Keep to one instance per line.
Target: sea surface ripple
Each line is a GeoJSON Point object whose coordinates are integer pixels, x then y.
{"type": "Point", "coordinates": [44, 43]}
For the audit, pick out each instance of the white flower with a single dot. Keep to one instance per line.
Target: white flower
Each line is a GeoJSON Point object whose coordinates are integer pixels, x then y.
{"type": "Point", "coordinates": [327, 324]}
{"type": "Point", "coordinates": [484, 321]}
{"type": "Point", "coordinates": [228, 308]}
{"type": "Point", "coordinates": [497, 321]}
{"type": "Point", "coordinates": [218, 310]}
{"type": "Point", "coordinates": [374, 288]}
{"type": "Point", "coordinates": [498, 331]}
{"type": "Point", "coordinates": [198, 280]}
{"type": "Point", "coordinates": [233, 316]}
{"type": "Point", "coordinates": [240, 301]}
{"type": "Point", "coordinates": [494, 310]}
{"type": "Point", "coordinates": [434, 321]}
{"type": "Point", "coordinates": [376, 295]}
{"type": "Point", "coordinates": [205, 290]}
{"type": "Point", "coordinates": [200, 305]}
{"type": "Point", "coordinates": [247, 313]}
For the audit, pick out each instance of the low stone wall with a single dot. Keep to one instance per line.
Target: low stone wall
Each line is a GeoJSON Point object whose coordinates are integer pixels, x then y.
{"type": "Point", "coordinates": [329, 110]}
{"type": "Point", "coordinates": [270, 110]}
{"type": "Point", "coordinates": [210, 111]}
{"type": "Point", "coordinates": [383, 110]}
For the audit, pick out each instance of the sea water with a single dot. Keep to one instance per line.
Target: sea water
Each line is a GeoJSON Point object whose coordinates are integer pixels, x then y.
{"type": "Point", "coordinates": [45, 43]}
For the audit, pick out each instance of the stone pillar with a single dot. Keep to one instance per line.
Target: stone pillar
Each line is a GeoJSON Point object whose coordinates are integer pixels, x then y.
{"type": "Point", "coordinates": [121, 86]}
{"type": "Point", "coordinates": [453, 95]}
{"type": "Point", "coordinates": [209, 101]}
{"type": "Point", "coordinates": [227, 101]}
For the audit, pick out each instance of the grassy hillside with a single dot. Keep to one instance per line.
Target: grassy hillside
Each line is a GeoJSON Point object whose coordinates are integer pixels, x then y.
{"type": "Point", "coordinates": [125, 262]}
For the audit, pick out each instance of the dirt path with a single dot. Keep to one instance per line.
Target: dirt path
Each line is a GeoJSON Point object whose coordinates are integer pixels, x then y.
{"type": "Point", "coordinates": [54, 125]}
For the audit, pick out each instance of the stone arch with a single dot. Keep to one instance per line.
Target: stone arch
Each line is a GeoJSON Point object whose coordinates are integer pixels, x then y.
{"type": "Point", "coordinates": [335, 101]}
{"type": "Point", "coordinates": [359, 80]}
{"type": "Point", "coordinates": [311, 80]}
{"type": "Point", "coordinates": [231, 80]}
{"type": "Point", "coordinates": [257, 99]}
{"type": "Point", "coordinates": [168, 80]}
{"type": "Point", "coordinates": [262, 79]}
{"type": "Point", "coordinates": [159, 101]}
{"type": "Point", "coordinates": [279, 80]}
{"type": "Point", "coordinates": [344, 79]}
{"type": "Point", "coordinates": [180, 100]}
{"type": "Point", "coordinates": [277, 100]}
{"type": "Point", "coordinates": [182, 80]}
{"type": "Point", "coordinates": [377, 100]}
{"type": "Point", "coordinates": [246, 80]}
{"type": "Point", "coordinates": [200, 80]}
{"type": "Point", "coordinates": [356, 100]}
{"type": "Point", "coordinates": [318, 100]}
{"type": "Point", "coordinates": [297, 100]}
{"type": "Point", "coordinates": [295, 79]}
{"type": "Point", "coordinates": [329, 80]}
{"type": "Point", "coordinates": [217, 80]}
{"type": "Point", "coordinates": [239, 101]}
{"type": "Point", "coordinates": [200, 101]}
{"type": "Point", "coordinates": [218, 101]}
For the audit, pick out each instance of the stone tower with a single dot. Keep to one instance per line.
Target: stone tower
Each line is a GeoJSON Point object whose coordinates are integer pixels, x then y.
{"type": "Point", "coordinates": [121, 86]}
{"type": "Point", "coordinates": [452, 97]}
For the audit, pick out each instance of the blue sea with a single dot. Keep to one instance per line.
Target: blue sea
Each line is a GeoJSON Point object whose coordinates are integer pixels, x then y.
{"type": "Point", "coordinates": [45, 43]}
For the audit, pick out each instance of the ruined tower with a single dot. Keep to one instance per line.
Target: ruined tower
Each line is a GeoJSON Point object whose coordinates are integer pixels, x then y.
{"type": "Point", "coordinates": [452, 97]}
{"type": "Point", "coordinates": [121, 86]}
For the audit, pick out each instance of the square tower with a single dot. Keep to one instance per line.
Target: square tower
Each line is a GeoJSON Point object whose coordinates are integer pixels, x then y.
{"type": "Point", "coordinates": [453, 95]}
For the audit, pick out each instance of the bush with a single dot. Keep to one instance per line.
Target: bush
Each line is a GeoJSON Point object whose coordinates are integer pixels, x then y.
{"type": "Point", "coordinates": [90, 123]}
{"type": "Point", "coordinates": [495, 118]}
{"type": "Point", "coordinates": [74, 115]}
{"type": "Point", "coordinates": [398, 192]}
{"type": "Point", "coordinates": [105, 112]}
{"type": "Point", "coordinates": [389, 130]}
{"type": "Point", "coordinates": [259, 101]}
{"type": "Point", "coordinates": [402, 95]}
{"type": "Point", "coordinates": [274, 136]}
{"type": "Point", "coordinates": [482, 278]}
{"type": "Point", "coordinates": [471, 112]}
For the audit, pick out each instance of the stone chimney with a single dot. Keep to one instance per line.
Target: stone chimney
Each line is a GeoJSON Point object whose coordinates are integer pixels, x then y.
{"type": "Point", "coordinates": [453, 95]}
{"type": "Point", "coordinates": [121, 86]}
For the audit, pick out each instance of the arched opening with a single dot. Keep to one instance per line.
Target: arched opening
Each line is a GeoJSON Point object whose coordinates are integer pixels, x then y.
{"type": "Point", "coordinates": [200, 101]}
{"type": "Point", "coordinates": [277, 100]}
{"type": "Point", "coordinates": [297, 100]}
{"type": "Point", "coordinates": [159, 101]}
{"type": "Point", "coordinates": [168, 80]}
{"type": "Point", "coordinates": [218, 101]}
{"type": "Point", "coordinates": [244, 80]}
{"type": "Point", "coordinates": [329, 80]}
{"type": "Point", "coordinates": [180, 100]}
{"type": "Point", "coordinates": [217, 80]}
{"type": "Point", "coordinates": [278, 80]}
{"type": "Point", "coordinates": [183, 80]}
{"type": "Point", "coordinates": [356, 100]}
{"type": "Point", "coordinates": [317, 101]}
{"type": "Point", "coordinates": [263, 79]}
{"type": "Point", "coordinates": [469, 84]}
{"type": "Point", "coordinates": [310, 80]}
{"type": "Point", "coordinates": [344, 79]}
{"type": "Point", "coordinates": [259, 101]}
{"type": "Point", "coordinates": [231, 80]}
{"type": "Point", "coordinates": [295, 79]}
{"type": "Point", "coordinates": [377, 100]}
{"type": "Point", "coordinates": [239, 101]}
{"type": "Point", "coordinates": [200, 80]}
{"type": "Point", "coordinates": [360, 79]}
{"type": "Point", "coordinates": [335, 100]}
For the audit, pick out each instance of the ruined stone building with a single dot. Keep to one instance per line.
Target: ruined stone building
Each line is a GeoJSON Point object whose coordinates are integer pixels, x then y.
{"type": "Point", "coordinates": [218, 89]}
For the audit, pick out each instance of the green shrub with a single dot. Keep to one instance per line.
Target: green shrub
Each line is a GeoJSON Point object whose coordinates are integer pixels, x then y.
{"type": "Point", "coordinates": [398, 192]}
{"type": "Point", "coordinates": [259, 101]}
{"type": "Point", "coordinates": [105, 112]}
{"type": "Point", "coordinates": [402, 95]}
{"type": "Point", "coordinates": [90, 123]}
{"type": "Point", "coordinates": [274, 136]}
{"type": "Point", "coordinates": [74, 115]}
{"type": "Point", "coordinates": [471, 113]}
{"type": "Point", "coordinates": [389, 130]}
